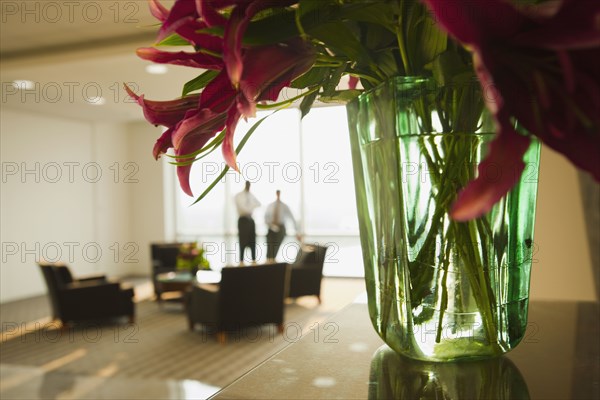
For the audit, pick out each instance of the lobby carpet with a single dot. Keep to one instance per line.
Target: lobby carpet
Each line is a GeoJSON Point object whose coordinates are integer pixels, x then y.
{"type": "Point", "coordinates": [160, 345]}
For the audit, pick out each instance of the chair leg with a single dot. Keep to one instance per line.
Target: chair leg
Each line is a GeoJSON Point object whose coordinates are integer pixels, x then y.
{"type": "Point", "coordinates": [319, 298]}
{"type": "Point", "coordinates": [221, 337]}
{"type": "Point", "coordinates": [131, 318]}
{"type": "Point", "coordinates": [280, 328]}
{"type": "Point", "coordinates": [191, 324]}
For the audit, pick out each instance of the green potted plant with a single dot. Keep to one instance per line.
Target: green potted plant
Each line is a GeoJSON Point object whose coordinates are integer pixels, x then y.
{"type": "Point", "coordinates": [191, 258]}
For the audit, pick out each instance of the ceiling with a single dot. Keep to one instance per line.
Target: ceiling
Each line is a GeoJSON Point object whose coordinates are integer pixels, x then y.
{"type": "Point", "coordinates": [74, 51]}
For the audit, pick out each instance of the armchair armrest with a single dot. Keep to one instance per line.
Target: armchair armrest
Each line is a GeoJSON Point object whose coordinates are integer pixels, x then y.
{"type": "Point", "coordinates": [92, 278]}
{"type": "Point", "coordinates": [92, 288]}
{"type": "Point", "coordinates": [202, 304]}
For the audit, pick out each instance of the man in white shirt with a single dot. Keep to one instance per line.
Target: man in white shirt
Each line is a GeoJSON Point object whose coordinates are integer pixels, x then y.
{"type": "Point", "coordinates": [276, 215]}
{"type": "Point", "coordinates": [246, 203]}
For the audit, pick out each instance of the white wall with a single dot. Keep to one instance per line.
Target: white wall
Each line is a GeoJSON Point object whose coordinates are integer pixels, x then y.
{"type": "Point", "coordinates": [93, 198]}
{"type": "Point", "coordinates": [147, 204]}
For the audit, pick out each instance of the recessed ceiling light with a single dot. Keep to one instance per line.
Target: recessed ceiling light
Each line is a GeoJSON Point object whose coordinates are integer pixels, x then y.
{"type": "Point", "coordinates": [156, 69]}
{"type": "Point", "coordinates": [96, 101]}
{"type": "Point", "coordinates": [23, 84]}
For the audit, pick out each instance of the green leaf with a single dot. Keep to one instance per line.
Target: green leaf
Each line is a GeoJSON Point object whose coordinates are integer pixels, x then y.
{"type": "Point", "coordinates": [448, 66]}
{"type": "Point", "coordinates": [307, 103]}
{"type": "Point", "coordinates": [261, 32]}
{"type": "Point", "coordinates": [375, 13]}
{"type": "Point", "coordinates": [199, 82]}
{"type": "Point", "coordinates": [173, 40]}
{"type": "Point", "coordinates": [342, 96]}
{"type": "Point", "coordinates": [333, 81]}
{"type": "Point", "coordinates": [238, 149]}
{"type": "Point", "coordinates": [424, 40]}
{"type": "Point", "coordinates": [387, 63]}
{"type": "Point", "coordinates": [341, 39]}
{"type": "Point", "coordinates": [313, 77]}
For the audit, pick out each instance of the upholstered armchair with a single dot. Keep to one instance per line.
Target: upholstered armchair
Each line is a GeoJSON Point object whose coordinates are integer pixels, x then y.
{"type": "Point", "coordinates": [90, 298]}
{"type": "Point", "coordinates": [246, 296]}
{"type": "Point", "coordinates": [306, 272]}
{"type": "Point", "coordinates": [164, 259]}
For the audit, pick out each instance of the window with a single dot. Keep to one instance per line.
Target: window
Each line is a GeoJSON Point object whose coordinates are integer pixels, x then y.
{"type": "Point", "coordinates": [308, 160]}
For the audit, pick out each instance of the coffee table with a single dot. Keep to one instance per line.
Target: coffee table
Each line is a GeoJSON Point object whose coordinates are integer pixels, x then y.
{"type": "Point", "coordinates": [180, 281]}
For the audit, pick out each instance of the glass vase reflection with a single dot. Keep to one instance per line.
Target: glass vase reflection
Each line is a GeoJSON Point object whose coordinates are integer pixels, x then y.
{"type": "Point", "coordinates": [393, 376]}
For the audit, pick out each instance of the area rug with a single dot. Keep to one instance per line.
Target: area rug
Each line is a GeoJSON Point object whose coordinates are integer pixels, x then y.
{"type": "Point", "coordinates": [161, 346]}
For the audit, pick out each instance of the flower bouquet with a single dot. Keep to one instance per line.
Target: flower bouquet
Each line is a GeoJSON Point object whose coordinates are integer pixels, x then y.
{"type": "Point", "coordinates": [470, 87]}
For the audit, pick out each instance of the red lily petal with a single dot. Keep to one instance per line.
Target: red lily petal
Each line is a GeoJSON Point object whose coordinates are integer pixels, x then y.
{"type": "Point", "coordinates": [567, 69]}
{"type": "Point", "coordinates": [191, 31]}
{"type": "Point", "coordinates": [195, 60]}
{"type": "Point", "coordinates": [183, 174]}
{"type": "Point", "coordinates": [235, 29]}
{"type": "Point", "coordinates": [475, 22]}
{"type": "Point", "coordinates": [206, 9]}
{"type": "Point", "coordinates": [269, 68]}
{"type": "Point", "coordinates": [573, 26]}
{"type": "Point", "coordinates": [505, 159]}
{"type": "Point", "coordinates": [227, 148]}
{"type": "Point", "coordinates": [166, 113]}
{"type": "Point", "coordinates": [189, 145]}
{"type": "Point", "coordinates": [182, 12]}
{"type": "Point", "coordinates": [218, 95]}
{"type": "Point", "coordinates": [232, 49]}
{"type": "Point", "coordinates": [158, 10]}
{"type": "Point", "coordinates": [203, 122]}
{"type": "Point", "coordinates": [575, 135]}
{"type": "Point", "coordinates": [162, 144]}
{"type": "Point", "coordinates": [245, 107]}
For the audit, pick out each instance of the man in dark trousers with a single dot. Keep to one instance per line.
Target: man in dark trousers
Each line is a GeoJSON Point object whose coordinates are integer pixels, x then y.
{"type": "Point", "coordinates": [276, 215]}
{"type": "Point", "coordinates": [246, 203]}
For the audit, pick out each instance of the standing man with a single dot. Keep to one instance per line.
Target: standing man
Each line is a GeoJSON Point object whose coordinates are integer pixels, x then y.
{"type": "Point", "coordinates": [246, 203]}
{"type": "Point", "coordinates": [276, 215]}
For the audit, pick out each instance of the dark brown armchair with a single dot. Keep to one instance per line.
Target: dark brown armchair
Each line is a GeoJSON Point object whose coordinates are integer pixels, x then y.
{"type": "Point", "coordinates": [246, 296]}
{"type": "Point", "coordinates": [306, 272]}
{"type": "Point", "coordinates": [85, 299]}
{"type": "Point", "coordinates": [164, 259]}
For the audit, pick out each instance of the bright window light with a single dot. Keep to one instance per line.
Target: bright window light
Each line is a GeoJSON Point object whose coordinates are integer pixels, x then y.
{"type": "Point", "coordinates": [157, 69]}
{"type": "Point", "coordinates": [96, 101]}
{"type": "Point", "coordinates": [23, 84]}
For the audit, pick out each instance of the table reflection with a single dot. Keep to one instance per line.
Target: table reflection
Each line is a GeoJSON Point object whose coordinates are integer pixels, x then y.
{"type": "Point", "coordinates": [395, 377]}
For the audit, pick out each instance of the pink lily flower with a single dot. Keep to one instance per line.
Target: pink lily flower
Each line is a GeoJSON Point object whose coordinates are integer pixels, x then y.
{"type": "Point", "coordinates": [267, 70]}
{"type": "Point", "coordinates": [542, 64]}
{"type": "Point", "coordinates": [235, 27]}
{"type": "Point", "coordinates": [259, 74]}
{"type": "Point", "coordinates": [183, 19]}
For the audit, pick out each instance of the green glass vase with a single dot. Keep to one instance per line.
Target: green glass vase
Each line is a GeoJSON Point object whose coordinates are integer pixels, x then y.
{"type": "Point", "coordinates": [438, 290]}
